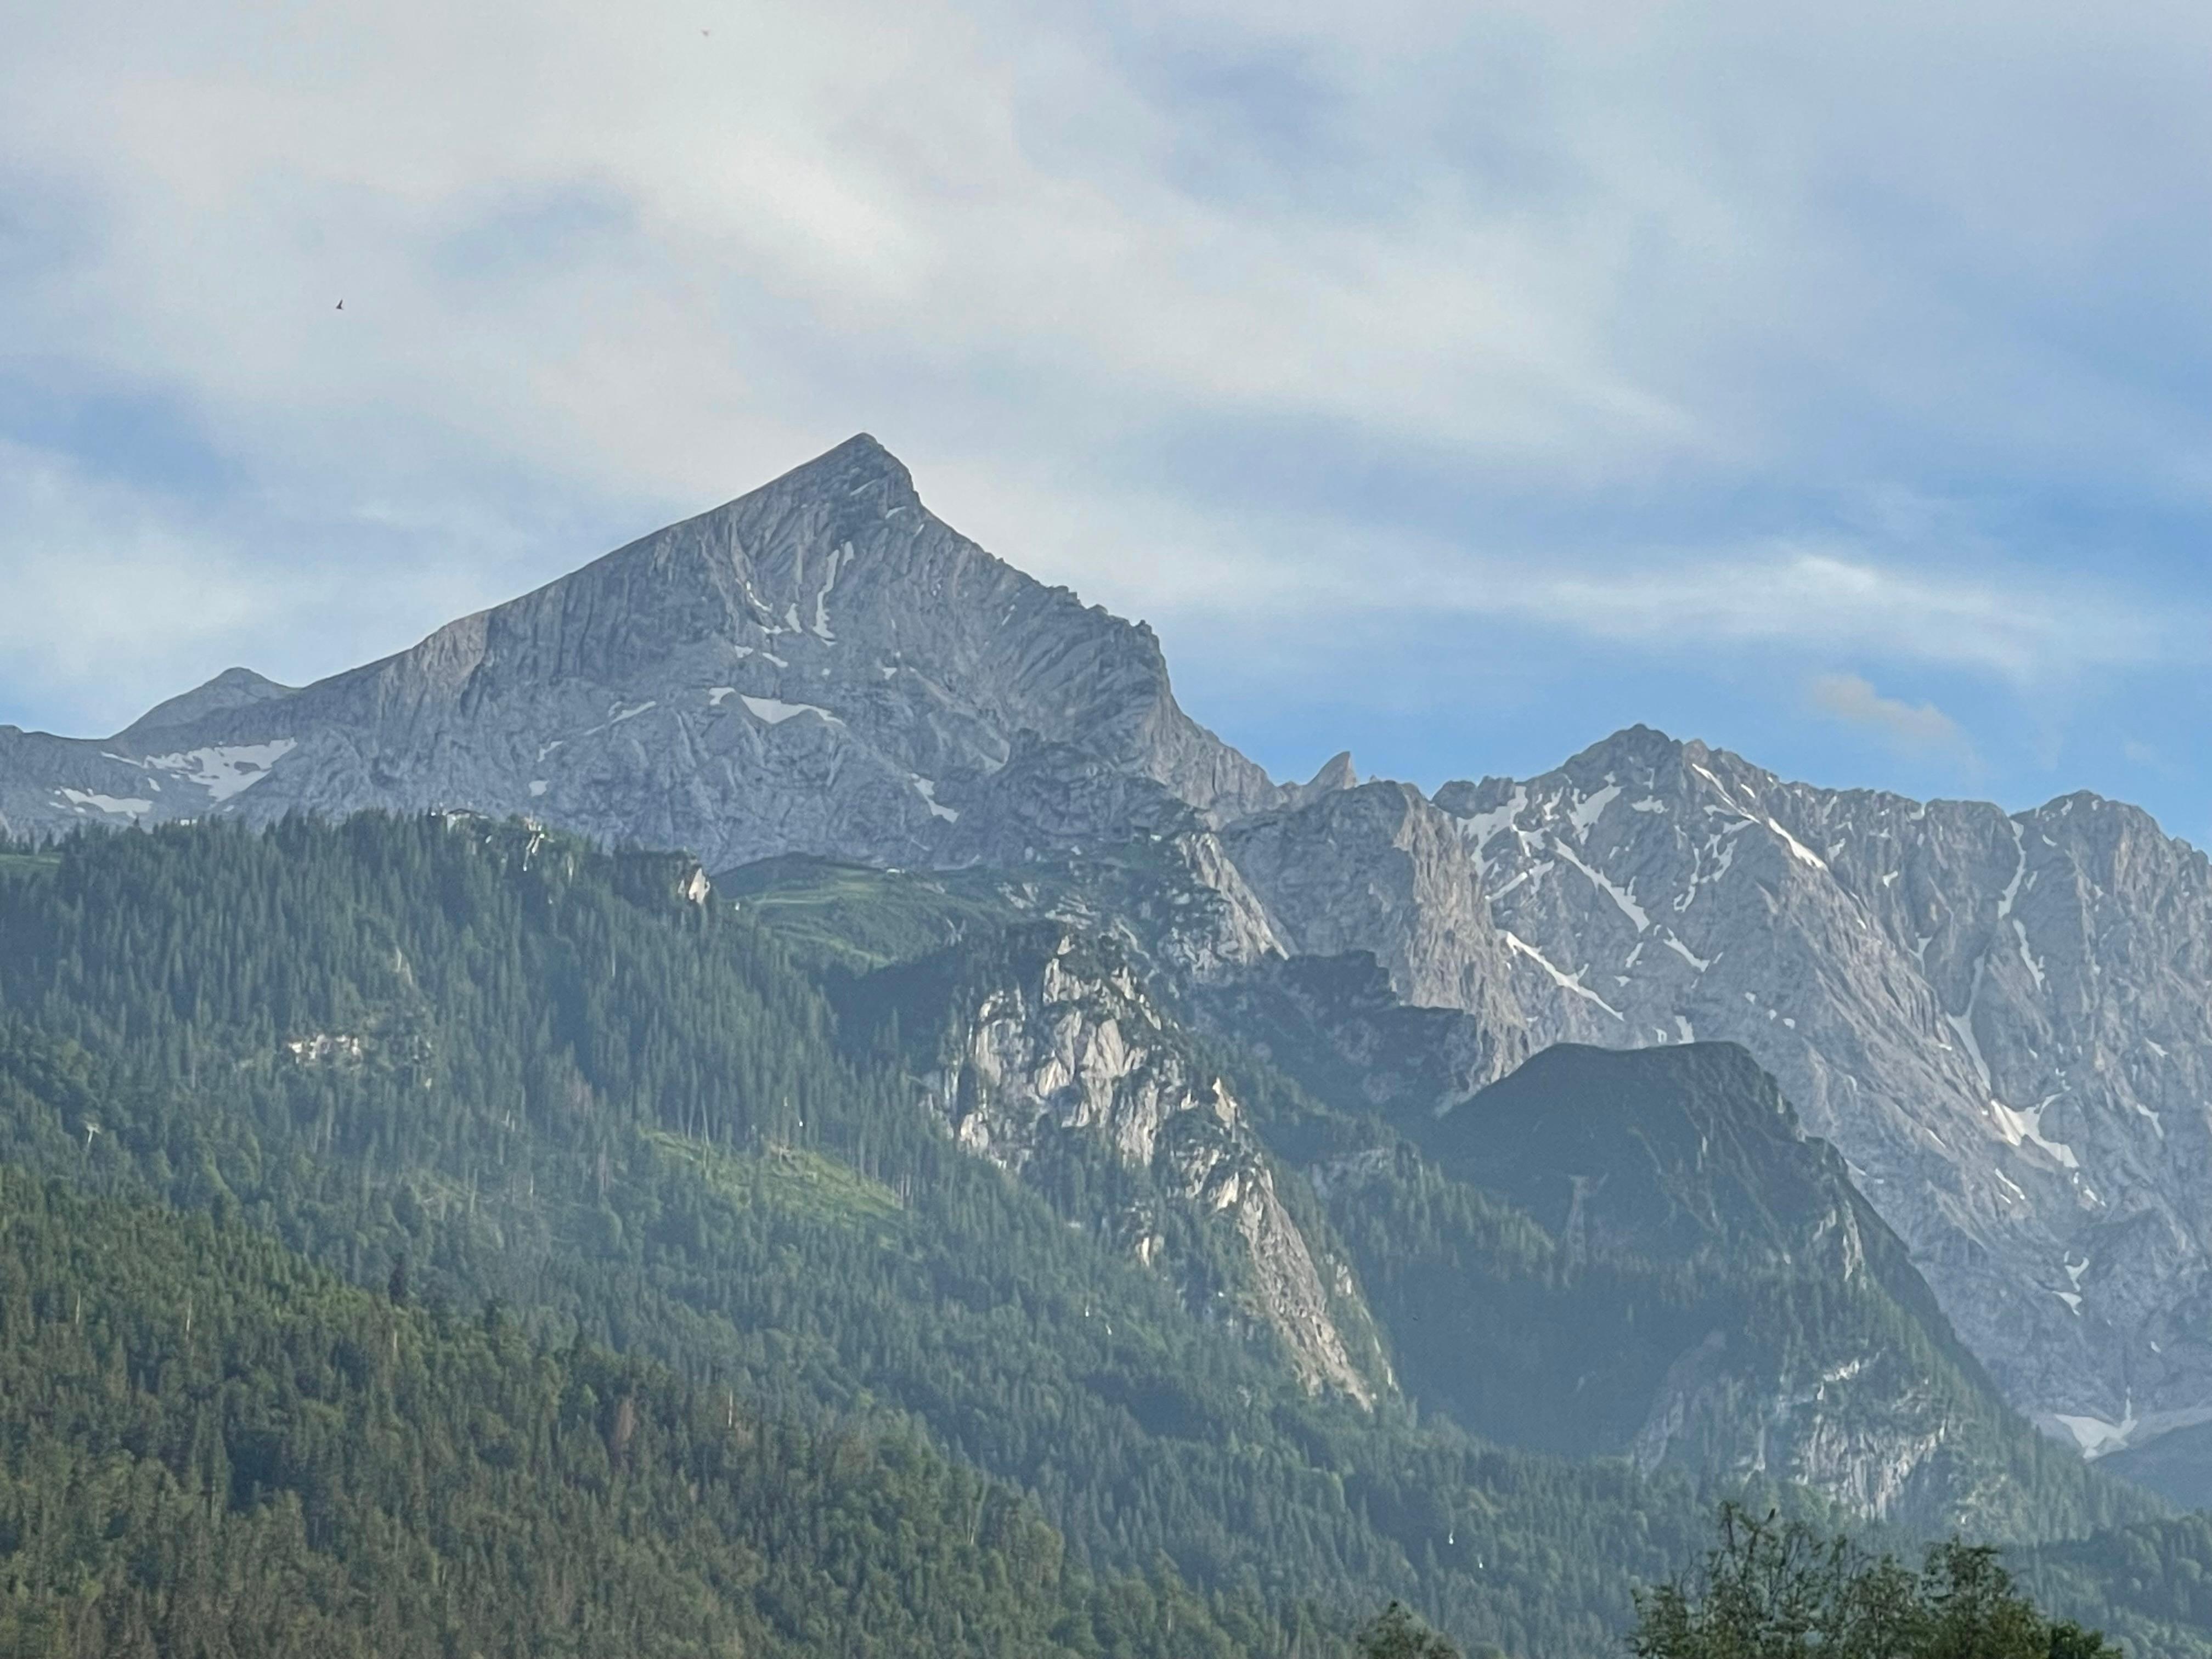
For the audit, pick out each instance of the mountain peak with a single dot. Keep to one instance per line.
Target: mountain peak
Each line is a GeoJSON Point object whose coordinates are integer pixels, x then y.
{"type": "Point", "coordinates": [1336, 774]}
{"type": "Point", "coordinates": [234, 688]}
{"type": "Point", "coordinates": [859, 463]}
{"type": "Point", "coordinates": [1633, 745]}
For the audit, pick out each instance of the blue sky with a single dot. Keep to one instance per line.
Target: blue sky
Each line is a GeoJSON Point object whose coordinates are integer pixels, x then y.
{"type": "Point", "coordinates": [1452, 385]}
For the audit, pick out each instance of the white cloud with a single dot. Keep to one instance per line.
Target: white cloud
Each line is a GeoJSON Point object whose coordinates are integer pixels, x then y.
{"type": "Point", "coordinates": [598, 265]}
{"type": "Point", "coordinates": [1916, 728]}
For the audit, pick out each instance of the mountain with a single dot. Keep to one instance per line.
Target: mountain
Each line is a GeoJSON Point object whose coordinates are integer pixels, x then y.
{"type": "Point", "coordinates": [821, 665]}
{"type": "Point", "coordinates": [1634, 1254]}
{"type": "Point", "coordinates": [947, 1163]}
{"type": "Point", "coordinates": [1807, 1344]}
{"type": "Point", "coordinates": [2000, 1020]}
{"type": "Point", "coordinates": [576, 1082]}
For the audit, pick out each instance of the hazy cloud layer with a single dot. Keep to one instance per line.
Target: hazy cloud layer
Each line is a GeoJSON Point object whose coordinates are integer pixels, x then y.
{"type": "Point", "coordinates": [1643, 354]}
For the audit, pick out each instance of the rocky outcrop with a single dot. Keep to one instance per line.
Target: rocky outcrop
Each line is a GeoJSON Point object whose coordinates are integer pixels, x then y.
{"type": "Point", "coordinates": [1067, 1046]}
{"type": "Point", "coordinates": [1376, 868]}
{"type": "Point", "coordinates": [821, 666]}
{"type": "Point", "coordinates": [1813, 1426]}
{"type": "Point", "coordinates": [2001, 1020]}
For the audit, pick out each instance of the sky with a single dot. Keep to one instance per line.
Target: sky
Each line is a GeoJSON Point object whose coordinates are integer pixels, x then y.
{"type": "Point", "coordinates": [1452, 383]}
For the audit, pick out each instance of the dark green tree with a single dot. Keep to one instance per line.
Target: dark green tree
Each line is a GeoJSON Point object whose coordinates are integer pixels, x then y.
{"type": "Point", "coordinates": [1395, 1633]}
{"type": "Point", "coordinates": [1782, 1589]}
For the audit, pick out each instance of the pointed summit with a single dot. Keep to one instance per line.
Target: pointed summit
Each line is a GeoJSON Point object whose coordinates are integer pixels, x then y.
{"type": "Point", "coordinates": [821, 665]}
{"type": "Point", "coordinates": [1335, 775]}
{"type": "Point", "coordinates": [860, 466]}
{"type": "Point", "coordinates": [234, 688]}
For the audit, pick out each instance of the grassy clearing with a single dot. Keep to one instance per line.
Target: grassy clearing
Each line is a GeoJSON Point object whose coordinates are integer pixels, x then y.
{"type": "Point", "coordinates": [858, 918]}
{"type": "Point", "coordinates": [787, 1178]}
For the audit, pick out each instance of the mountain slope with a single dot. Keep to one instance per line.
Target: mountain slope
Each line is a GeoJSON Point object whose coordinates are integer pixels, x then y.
{"type": "Point", "coordinates": [1638, 1253]}
{"type": "Point", "coordinates": [2001, 1021]}
{"type": "Point", "coordinates": [208, 1446]}
{"type": "Point", "coordinates": [569, 1081]}
{"type": "Point", "coordinates": [1634, 1254]}
{"type": "Point", "coordinates": [821, 665]}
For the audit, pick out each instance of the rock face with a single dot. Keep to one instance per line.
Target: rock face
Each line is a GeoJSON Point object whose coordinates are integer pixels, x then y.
{"type": "Point", "coordinates": [2002, 1022]}
{"type": "Point", "coordinates": [1056, 1050]}
{"type": "Point", "coordinates": [821, 665]}
{"type": "Point", "coordinates": [1376, 868]}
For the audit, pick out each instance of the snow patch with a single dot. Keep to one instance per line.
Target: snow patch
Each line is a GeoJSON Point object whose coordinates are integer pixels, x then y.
{"type": "Point", "coordinates": [2094, 1436]}
{"type": "Point", "coordinates": [717, 694]}
{"type": "Point", "coordinates": [131, 808]}
{"type": "Point", "coordinates": [1588, 811]}
{"type": "Point", "coordinates": [1798, 850]}
{"type": "Point", "coordinates": [838, 560]}
{"type": "Point", "coordinates": [1611, 889]}
{"type": "Point", "coordinates": [2018, 1126]}
{"type": "Point", "coordinates": [616, 714]}
{"type": "Point", "coordinates": [226, 771]}
{"type": "Point", "coordinates": [2019, 869]}
{"type": "Point", "coordinates": [1685, 953]}
{"type": "Point", "coordinates": [1533, 875]}
{"type": "Point", "coordinates": [536, 786]}
{"type": "Point", "coordinates": [774, 711]}
{"type": "Point", "coordinates": [1476, 832]}
{"type": "Point", "coordinates": [1565, 981]}
{"type": "Point", "coordinates": [927, 788]}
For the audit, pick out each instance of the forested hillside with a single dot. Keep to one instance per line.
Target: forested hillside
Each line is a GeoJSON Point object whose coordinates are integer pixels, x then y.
{"type": "Point", "coordinates": [501, 1066]}
{"type": "Point", "coordinates": [207, 1446]}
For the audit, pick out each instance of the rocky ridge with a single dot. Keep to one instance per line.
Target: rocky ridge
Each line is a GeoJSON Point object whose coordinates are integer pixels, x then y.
{"type": "Point", "coordinates": [2002, 1021]}
{"type": "Point", "coordinates": [821, 665]}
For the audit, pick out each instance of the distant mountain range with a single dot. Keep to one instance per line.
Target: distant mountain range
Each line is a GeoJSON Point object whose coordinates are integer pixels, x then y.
{"type": "Point", "coordinates": [2001, 1022]}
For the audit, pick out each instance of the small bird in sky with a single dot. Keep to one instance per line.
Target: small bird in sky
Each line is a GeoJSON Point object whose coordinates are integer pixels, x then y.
{"type": "Point", "coordinates": [341, 305]}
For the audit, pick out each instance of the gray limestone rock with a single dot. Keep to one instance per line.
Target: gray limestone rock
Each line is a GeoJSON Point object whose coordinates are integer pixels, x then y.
{"type": "Point", "coordinates": [2002, 1022]}
{"type": "Point", "coordinates": [1376, 868]}
{"type": "Point", "coordinates": [821, 665]}
{"type": "Point", "coordinates": [1069, 1044]}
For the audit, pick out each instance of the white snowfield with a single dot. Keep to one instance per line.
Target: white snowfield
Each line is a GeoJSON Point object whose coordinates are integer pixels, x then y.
{"type": "Point", "coordinates": [224, 772]}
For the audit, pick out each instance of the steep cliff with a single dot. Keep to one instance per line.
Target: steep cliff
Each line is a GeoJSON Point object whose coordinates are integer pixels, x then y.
{"type": "Point", "coordinates": [1048, 1057]}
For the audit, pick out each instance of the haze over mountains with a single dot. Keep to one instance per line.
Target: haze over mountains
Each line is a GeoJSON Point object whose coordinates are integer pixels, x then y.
{"type": "Point", "coordinates": [2000, 1021]}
